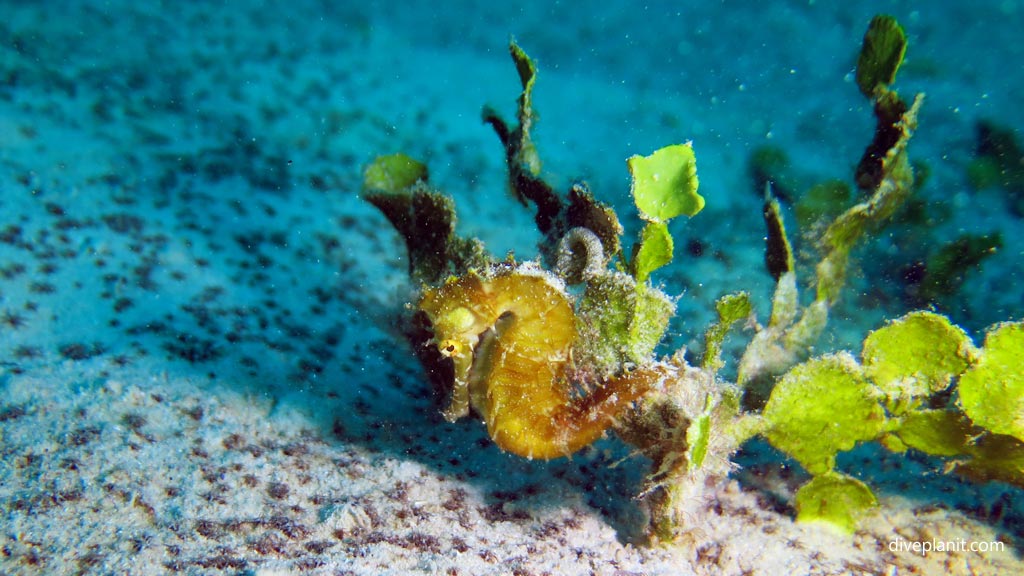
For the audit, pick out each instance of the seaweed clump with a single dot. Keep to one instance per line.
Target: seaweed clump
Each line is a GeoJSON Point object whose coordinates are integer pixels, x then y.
{"type": "Point", "coordinates": [999, 162]}
{"type": "Point", "coordinates": [552, 354]}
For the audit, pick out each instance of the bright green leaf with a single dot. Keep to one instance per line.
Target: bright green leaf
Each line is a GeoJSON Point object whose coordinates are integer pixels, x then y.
{"type": "Point", "coordinates": [915, 356]}
{"type": "Point", "coordinates": [836, 499]}
{"type": "Point", "coordinates": [698, 435]}
{"type": "Point", "coordinates": [938, 432]}
{"type": "Point", "coordinates": [731, 308]}
{"type": "Point", "coordinates": [665, 183]}
{"type": "Point", "coordinates": [734, 307]}
{"type": "Point", "coordinates": [821, 407]}
{"type": "Point", "coordinates": [393, 173]}
{"type": "Point", "coordinates": [992, 391]}
{"type": "Point", "coordinates": [655, 250]}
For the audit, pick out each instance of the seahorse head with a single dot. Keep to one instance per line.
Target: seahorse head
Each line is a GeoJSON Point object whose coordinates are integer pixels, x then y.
{"type": "Point", "coordinates": [458, 312]}
{"type": "Point", "coordinates": [452, 311]}
{"type": "Point", "coordinates": [453, 329]}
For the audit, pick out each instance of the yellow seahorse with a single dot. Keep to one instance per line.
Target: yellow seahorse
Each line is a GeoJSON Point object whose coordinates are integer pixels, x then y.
{"type": "Point", "coordinates": [510, 336]}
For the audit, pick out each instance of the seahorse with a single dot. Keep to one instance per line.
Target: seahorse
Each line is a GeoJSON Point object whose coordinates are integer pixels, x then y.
{"type": "Point", "coordinates": [510, 336]}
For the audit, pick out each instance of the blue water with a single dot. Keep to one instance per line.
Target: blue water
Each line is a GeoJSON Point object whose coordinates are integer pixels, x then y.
{"type": "Point", "coordinates": [179, 182]}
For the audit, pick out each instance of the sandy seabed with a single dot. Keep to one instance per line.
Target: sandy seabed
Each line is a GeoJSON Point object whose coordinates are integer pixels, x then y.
{"type": "Point", "coordinates": [198, 367]}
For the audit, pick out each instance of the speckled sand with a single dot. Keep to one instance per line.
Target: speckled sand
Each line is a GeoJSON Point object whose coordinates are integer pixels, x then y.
{"type": "Point", "coordinates": [199, 371]}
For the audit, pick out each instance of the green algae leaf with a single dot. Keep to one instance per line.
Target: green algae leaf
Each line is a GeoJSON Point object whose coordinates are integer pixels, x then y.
{"type": "Point", "coordinates": [525, 67]}
{"type": "Point", "coordinates": [995, 458]}
{"type": "Point", "coordinates": [521, 155]}
{"type": "Point", "coordinates": [992, 391]}
{"type": "Point", "coordinates": [731, 308]}
{"type": "Point", "coordinates": [651, 313]}
{"type": "Point", "coordinates": [825, 200]}
{"type": "Point", "coordinates": [769, 166]}
{"type": "Point", "coordinates": [393, 173]}
{"type": "Point", "coordinates": [785, 301]}
{"type": "Point", "coordinates": [836, 499]}
{"type": "Point", "coordinates": [892, 182]}
{"type": "Point", "coordinates": [915, 356]}
{"type": "Point", "coordinates": [778, 255]}
{"type": "Point", "coordinates": [805, 332]}
{"type": "Point", "coordinates": [654, 252]}
{"type": "Point", "coordinates": [619, 321]}
{"type": "Point", "coordinates": [527, 152]}
{"type": "Point", "coordinates": [665, 183]}
{"type": "Point", "coordinates": [821, 407]}
{"type": "Point", "coordinates": [698, 436]}
{"type": "Point", "coordinates": [881, 54]}
{"type": "Point", "coordinates": [426, 220]}
{"type": "Point", "coordinates": [948, 267]}
{"type": "Point", "coordinates": [984, 172]}
{"type": "Point", "coordinates": [603, 317]}
{"type": "Point", "coordinates": [937, 432]}
{"type": "Point", "coordinates": [889, 109]}
{"type": "Point", "coordinates": [1000, 162]}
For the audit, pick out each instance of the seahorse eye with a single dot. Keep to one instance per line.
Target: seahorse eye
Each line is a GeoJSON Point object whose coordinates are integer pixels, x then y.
{"type": "Point", "coordinates": [449, 348]}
